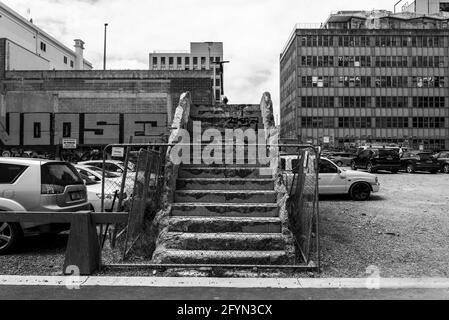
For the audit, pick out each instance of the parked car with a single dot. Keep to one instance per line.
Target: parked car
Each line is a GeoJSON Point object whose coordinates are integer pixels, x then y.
{"type": "Point", "coordinates": [93, 177]}
{"type": "Point", "coordinates": [412, 161]}
{"type": "Point", "coordinates": [374, 159]}
{"type": "Point", "coordinates": [334, 180]}
{"type": "Point", "coordinates": [443, 160]}
{"type": "Point", "coordinates": [114, 166]}
{"type": "Point", "coordinates": [341, 159]}
{"type": "Point", "coordinates": [40, 186]}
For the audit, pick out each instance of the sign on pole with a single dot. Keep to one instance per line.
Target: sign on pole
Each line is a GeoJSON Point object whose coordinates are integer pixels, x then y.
{"type": "Point", "coordinates": [118, 152]}
{"type": "Point", "coordinates": [69, 143]}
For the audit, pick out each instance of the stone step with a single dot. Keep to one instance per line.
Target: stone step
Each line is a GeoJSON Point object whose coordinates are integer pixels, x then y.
{"type": "Point", "coordinates": [222, 171]}
{"type": "Point", "coordinates": [224, 225]}
{"type": "Point", "coordinates": [222, 161]}
{"type": "Point", "coordinates": [223, 196]}
{"type": "Point", "coordinates": [224, 184]}
{"type": "Point", "coordinates": [223, 241]}
{"type": "Point", "coordinates": [225, 210]}
{"type": "Point", "coordinates": [209, 257]}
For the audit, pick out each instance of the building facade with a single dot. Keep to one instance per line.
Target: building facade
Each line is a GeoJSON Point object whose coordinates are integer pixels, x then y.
{"type": "Point", "coordinates": [368, 77]}
{"type": "Point", "coordinates": [202, 56]}
{"type": "Point", "coordinates": [426, 6]}
{"type": "Point", "coordinates": [38, 110]}
{"type": "Point", "coordinates": [24, 46]}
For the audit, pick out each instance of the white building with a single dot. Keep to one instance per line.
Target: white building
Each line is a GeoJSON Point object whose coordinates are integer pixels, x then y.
{"type": "Point", "coordinates": [27, 47]}
{"type": "Point", "coordinates": [426, 6]}
{"type": "Point", "coordinates": [202, 56]}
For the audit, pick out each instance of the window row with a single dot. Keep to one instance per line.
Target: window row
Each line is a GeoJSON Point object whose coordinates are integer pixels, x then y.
{"type": "Point", "coordinates": [428, 122]}
{"type": "Point", "coordinates": [186, 60]}
{"type": "Point", "coordinates": [391, 61]}
{"type": "Point", "coordinates": [428, 61]}
{"type": "Point", "coordinates": [354, 61]}
{"type": "Point", "coordinates": [365, 102]}
{"type": "Point", "coordinates": [367, 61]}
{"type": "Point", "coordinates": [428, 82]}
{"type": "Point", "coordinates": [365, 122]}
{"type": "Point", "coordinates": [378, 41]}
{"type": "Point", "coordinates": [392, 122]}
{"type": "Point", "coordinates": [366, 81]}
{"type": "Point", "coordinates": [429, 102]}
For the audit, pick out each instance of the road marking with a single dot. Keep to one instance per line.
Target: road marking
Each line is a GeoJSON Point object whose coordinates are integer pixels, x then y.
{"type": "Point", "coordinates": [274, 283]}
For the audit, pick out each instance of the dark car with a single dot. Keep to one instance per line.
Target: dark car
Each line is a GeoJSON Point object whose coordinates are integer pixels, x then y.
{"type": "Point", "coordinates": [374, 159]}
{"type": "Point", "coordinates": [412, 161]}
{"type": "Point", "coordinates": [341, 158]}
{"type": "Point", "coordinates": [443, 160]}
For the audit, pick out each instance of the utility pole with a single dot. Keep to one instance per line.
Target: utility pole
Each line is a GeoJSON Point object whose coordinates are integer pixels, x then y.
{"type": "Point", "coordinates": [105, 38]}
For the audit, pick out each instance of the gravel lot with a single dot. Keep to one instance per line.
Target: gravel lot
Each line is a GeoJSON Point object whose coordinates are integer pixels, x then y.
{"type": "Point", "coordinates": [403, 231]}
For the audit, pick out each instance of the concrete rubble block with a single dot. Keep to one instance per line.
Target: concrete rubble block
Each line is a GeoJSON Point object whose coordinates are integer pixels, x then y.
{"type": "Point", "coordinates": [223, 196]}
{"type": "Point", "coordinates": [225, 210]}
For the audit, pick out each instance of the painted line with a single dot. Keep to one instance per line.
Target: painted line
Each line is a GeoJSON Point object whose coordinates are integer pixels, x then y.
{"type": "Point", "coordinates": [273, 283]}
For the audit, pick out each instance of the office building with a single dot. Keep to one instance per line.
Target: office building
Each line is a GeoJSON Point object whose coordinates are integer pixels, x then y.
{"type": "Point", "coordinates": [202, 56]}
{"type": "Point", "coordinates": [368, 77]}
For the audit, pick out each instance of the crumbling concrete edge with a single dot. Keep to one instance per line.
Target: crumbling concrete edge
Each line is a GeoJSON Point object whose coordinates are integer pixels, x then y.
{"type": "Point", "coordinates": [158, 226]}
{"type": "Point", "coordinates": [272, 135]}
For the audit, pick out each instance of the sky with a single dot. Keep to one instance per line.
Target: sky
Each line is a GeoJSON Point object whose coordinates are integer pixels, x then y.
{"type": "Point", "coordinates": [254, 32]}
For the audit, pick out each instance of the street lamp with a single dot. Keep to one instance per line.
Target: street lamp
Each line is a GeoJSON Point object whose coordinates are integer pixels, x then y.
{"type": "Point", "coordinates": [104, 54]}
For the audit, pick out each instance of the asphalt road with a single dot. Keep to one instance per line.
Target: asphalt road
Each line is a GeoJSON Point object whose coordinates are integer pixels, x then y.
{"type": "Point", "coordinates": [157, 293]}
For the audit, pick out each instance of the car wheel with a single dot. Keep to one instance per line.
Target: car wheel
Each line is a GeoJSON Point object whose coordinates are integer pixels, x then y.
{"type": "Point", "coordinates": [10, 234]}
{"type": "Point", "coordinates": [370, 168]}
{"type": "Point", "coordinates": [446, 168]}
{"type": "Point", "coordinates": [360, 192]}
{"type": "Point", "coordinates": [410, 168]}
{"type": "Point", "coordinates": [353, 166]}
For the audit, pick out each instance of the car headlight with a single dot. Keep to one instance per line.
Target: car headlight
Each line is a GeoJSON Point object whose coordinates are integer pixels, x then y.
{"type": "Point", "coordinates": [376, 180]}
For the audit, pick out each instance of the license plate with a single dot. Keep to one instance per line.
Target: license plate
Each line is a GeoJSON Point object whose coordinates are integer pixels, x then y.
{"type": "Point", "coordinates": [389, 158]}
{"type": "Point", "coordinates": [429, 161]}
{"type": "Point", "coordinates": [75, 196]}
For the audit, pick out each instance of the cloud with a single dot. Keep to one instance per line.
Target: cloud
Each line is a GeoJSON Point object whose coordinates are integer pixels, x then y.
{"type": "Point", "coordinates": [253, 31]}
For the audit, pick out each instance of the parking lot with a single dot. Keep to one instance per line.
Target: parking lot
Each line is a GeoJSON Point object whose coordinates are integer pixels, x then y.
{"type": "Point", "coordinates": [403, 231]}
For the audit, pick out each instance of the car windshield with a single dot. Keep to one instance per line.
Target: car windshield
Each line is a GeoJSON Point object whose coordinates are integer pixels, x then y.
{"type": "Point", "coordinates": [59, 174]}
{"type": "Point", "coordinates": [107, 174]}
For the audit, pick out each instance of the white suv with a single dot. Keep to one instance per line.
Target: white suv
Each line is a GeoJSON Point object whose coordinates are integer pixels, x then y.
{"type": "Point", "coordinates": [38, 186]}
{"type": "Point", "coordinates": [334, 180]}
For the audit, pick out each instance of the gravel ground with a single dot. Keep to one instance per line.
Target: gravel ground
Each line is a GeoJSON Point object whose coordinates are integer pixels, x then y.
{"type": "Point", "coordinates": [403, 231]}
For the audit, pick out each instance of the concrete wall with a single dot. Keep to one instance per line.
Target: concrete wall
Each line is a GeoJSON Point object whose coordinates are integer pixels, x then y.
{"type": "Point", "coordinates": [18, 58]}
{"type": "Point", "coordinates": [101, 107]}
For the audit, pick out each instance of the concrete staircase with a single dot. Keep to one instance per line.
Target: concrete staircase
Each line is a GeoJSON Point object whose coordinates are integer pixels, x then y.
{"type": "Point", "coordinates": [225, 214]}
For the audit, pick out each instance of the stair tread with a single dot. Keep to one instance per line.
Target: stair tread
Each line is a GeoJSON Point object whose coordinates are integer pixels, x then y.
{"type": "Point", "coordinates": [228, 191]}
{"type": "Point", "coordinates": [218, 204]}
{"type": "Point", "coordinates": [235, 253]}
{"type": "Point", "coordinates": [230, 235]}
{"type": "Point", "coordinates": [213, 218]}
{"type": "Point", "coordinates": [229, 179]}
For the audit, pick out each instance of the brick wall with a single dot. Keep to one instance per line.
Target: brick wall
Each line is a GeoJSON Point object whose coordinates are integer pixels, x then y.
{"type": "Point", "coordinates": [102, 106]}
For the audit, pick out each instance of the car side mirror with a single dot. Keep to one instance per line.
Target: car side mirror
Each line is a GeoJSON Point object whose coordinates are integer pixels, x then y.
{"type": "Point", "coordinates": [342, 173]}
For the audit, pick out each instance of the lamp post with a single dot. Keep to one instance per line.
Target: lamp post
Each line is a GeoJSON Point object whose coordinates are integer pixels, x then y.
{"type": "Point", "coordinates": [105, 38]}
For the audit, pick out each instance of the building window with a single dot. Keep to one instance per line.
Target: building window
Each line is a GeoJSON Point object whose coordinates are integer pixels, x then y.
{"type": "Point", "coordinates": [66, 130]}
{"type": "Point", "coordinates": [37, 130]}
{"type": "Point", "coordinates": [444, 6]}
{"type": "Point", "coordinates": [163, 60]}
{"type": "Point", "coordinates": [66, 60]}
{"type": "Point", "coordinates": [43, 47]}
{"type": "Point", "coordinates": [187, 61]}
{"type": "Point", "coordinates": [217, 82]}
{"type": "Point", "coordinates": [179, 61]}
{"type": "Point", "coordinates": [154, 61]}
{"type": "Point", "coordinates": [203, 61]}
{"type": "Point", "coordinates": [71, 64]}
